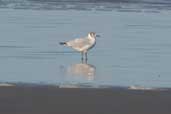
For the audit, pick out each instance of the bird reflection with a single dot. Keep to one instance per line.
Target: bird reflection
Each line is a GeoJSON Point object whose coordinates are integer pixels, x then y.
{"type": "Point", "coordinates": [82, 69]}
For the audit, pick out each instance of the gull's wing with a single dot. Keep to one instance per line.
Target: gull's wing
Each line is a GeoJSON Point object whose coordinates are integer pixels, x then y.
{"type": "Point", "coordinates": [78, 43]}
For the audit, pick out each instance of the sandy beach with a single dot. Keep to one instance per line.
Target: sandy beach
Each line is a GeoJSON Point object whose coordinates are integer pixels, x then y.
{"type": "Point", "coordinates": [54, 100]}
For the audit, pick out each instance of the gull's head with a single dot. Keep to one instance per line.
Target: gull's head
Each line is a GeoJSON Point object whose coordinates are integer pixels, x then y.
{"type": "Point", "coordinates": [92, 35]}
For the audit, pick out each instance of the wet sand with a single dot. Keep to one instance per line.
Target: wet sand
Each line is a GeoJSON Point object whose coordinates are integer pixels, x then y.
{"type": "Point", "coordinates": [54, 100]}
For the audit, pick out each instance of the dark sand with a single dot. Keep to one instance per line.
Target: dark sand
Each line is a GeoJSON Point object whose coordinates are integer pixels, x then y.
{"type": "Point", "coordinates": [54, 100]}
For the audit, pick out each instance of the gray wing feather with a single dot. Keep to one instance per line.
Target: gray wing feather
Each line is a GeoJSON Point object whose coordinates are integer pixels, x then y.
{"type": "Point", "coordinates": [78, 43]}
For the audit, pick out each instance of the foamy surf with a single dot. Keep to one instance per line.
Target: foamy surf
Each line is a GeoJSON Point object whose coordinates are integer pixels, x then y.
{"type": "Point", "coordinates": [6, 85]}
{"type": "Point", "coordinates": [135, 87]}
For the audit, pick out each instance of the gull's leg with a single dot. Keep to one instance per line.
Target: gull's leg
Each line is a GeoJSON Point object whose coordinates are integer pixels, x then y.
{"type": "Point", "coordinates": [82, 56]}
{"type": "Point", "coordinates": [86, 56]}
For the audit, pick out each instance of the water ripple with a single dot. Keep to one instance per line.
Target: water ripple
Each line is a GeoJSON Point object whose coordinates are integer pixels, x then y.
{"type": "Point", "coordinates": [105, 5]}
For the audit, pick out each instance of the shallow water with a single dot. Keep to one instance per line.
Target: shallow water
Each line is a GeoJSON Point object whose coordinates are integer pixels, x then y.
{"type": "Point", "coordinates": [134, 48]}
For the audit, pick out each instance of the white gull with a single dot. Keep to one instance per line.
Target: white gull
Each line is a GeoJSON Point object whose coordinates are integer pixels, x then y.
{"type": "Point", "coordinates": [82, 45]}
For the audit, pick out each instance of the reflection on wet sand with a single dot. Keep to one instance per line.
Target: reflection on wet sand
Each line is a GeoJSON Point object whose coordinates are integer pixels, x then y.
{"type": "Point", "coordinates": [83, 70]}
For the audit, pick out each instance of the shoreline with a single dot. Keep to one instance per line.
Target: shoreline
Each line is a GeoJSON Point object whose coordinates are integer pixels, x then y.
{"type": "Point", "coordinates": [55, 100]}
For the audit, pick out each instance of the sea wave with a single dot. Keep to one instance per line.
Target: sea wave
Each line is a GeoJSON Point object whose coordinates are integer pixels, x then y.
{"type": "Point", "coordinates": [95, 1]}
{"type": "Point", "coordinates": [108, 5]}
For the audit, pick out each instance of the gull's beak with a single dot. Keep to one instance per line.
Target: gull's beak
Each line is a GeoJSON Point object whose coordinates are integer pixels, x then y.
{"type": "Point", "coordinates": [97, 35]}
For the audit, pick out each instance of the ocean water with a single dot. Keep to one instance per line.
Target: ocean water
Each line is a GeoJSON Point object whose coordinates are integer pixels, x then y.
{"type": "Point", "coordinates": [134, 48]}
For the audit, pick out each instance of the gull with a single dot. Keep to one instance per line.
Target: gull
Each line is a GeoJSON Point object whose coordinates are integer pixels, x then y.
{"type": "Point", "coordinates": [82, 45]}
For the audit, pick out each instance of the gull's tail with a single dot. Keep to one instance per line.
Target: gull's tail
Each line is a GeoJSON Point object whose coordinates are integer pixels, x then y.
{"type": "Point", "coordinates": [62, 43]}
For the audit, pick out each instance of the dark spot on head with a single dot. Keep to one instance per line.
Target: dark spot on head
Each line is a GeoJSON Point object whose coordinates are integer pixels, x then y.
{"type": "Point", "coordinates": [92, 34]}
